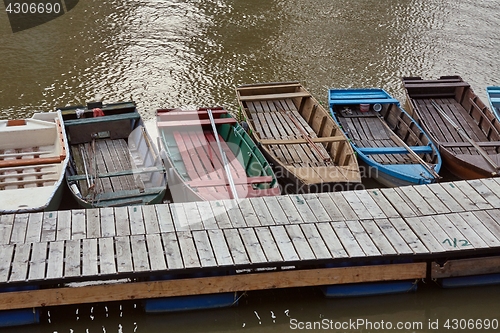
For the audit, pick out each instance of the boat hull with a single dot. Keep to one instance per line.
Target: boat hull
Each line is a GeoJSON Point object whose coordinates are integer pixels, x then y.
{"type": "Point", "coordinates": [369, 289]}
{"type": "Point", "coordinates": [190, 303]}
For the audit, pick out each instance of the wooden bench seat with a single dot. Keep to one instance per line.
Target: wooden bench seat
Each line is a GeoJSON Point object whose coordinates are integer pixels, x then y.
{"type": "Point", "coordinates": [395, 150]}
{"type": "Point", "coordinates": [173, 114]}
{"type": "Point", "coordinates": [94, 120]}
{"type": "Point", "coordinates": [223, 182]}
{"type": "Point", "coordinates": [195, 122]}
{"type": "Point", "coordinates": [416, 84]}
{"type": "Point", "coordinates": [268, 97]}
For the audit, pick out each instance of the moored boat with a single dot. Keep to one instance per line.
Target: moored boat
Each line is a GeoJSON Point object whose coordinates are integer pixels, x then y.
{"type": "Point", "coordinates": [209, 156]}
{"type": "Point", "coordinates": [299, 137]}
{"type": "Point", "coordinates": [113, 159]}
{"type": "Point", "coordinates": [465, 130]}
{"type": "Point", "coordinates": [494, 98]}
{"type": "Point", "coordinates": [33, 158]}
{"type": "Point", "coordinates": [386, 139]}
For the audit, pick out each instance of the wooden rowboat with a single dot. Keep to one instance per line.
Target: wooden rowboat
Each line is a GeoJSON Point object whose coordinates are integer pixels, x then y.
{"type": "Point", "coordinates": [113, 159]}
{"type": "Point", "coordinates": [465, 130]}
{"type": "Point", "coordinates": [385, 137]}
{"type": "Point", "coordinates": [494, 98]}
{"type": "Point", "coordinates": [209, 156]}
{"type": "Point", "coordinates": [33, 157]}
{"type": "Point", "coordinates": [299, 137]}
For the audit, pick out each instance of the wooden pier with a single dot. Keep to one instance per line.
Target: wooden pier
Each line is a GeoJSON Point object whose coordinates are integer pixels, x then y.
{"type": "Point", "coordinates": [407, 233]}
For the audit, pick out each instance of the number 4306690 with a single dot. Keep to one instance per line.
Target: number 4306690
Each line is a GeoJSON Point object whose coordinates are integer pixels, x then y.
{"type": "Point", "coordinates": [33, 8]}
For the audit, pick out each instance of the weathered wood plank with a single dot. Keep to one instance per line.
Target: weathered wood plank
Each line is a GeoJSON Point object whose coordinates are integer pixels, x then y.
{"type": "Point", "coordinates": [465, 267]}
{"type": "Point", "coordinates": [291, 213]}
{"type": "Point", "coordinates": [383, 245]}
{"type": "Point", "coordinates": [6, 253]}
{"type": "Point", "coordinates": [89, 260]}
{"type": "Point", "coordinates": [470, 236]}
{"type": "Point", "coordinates": [315, 241]}
{"type": "Point", "coordinates": [317, 208]}
{"type": "Point", "coordinates": [122, 224]}
{"type": "Point", "coordinates": [411, 239]}
{"type": "Point", "coordinates": [123, 254]}
{"type": "Point", "coordinates": [179, 217]}
{"type": "Point", "coordinates": [356, 204]}
{"type": "Point", "coordinates": [438, 233]}
{"type": "Point", "coordinates": [330, 207]}
{"type": "Point", "coordinates": [150, 219]}
{"type": "Point", "coordinates": [249, 213]}
{"type": "Point", "coordinates": [348, 241]}
{"type": "Point", "coordinates": [384, 204]}
{"type": "Point", "coordinates": [172, 250]}
{"type": "Point", "coordinates": [393, 236]}
{"type": "Point", "coordinates": [303, 208]}
{"type": "Point", "coordinates": [268, 244]}
{"type": "Point", "coordinates": [72, 259]}
{"type": "Point", "coordinates": [261, 211]}
{"type": "Point", "coordinates": [194, 218]}
{"type": "Point", "coordinates": [331, 240]}
{"type": "Point", "coordinates": [413, 198]}
{"type": "Point", "coordinates": [37, 265]}
{"type": "Point", "coordinates": [78, 224]}
{"type": "Point", "coordinates": [204, 249]}
{"type": "Point", "coordinates": [220, 247]}
{"type": "Point", "coordinates": [472, 195]}
{"type": "Point", "coordinates": [93, 224]}
{"type": "Point", "coordinates": [19, 228]}
{"type": "Point", "coordinates": [284, 243]}
{"type": "Point", "coordinates": [252, 245]}
{"type": "Point", "coordinates": [220, 215]}
{"type": "Point", "coordinates": [49, 225]}
{"type": "Point", "coordinates": [398, 202]}
{"type": "Point", "coordinates": [188, 249]}
{"type": "Point", "coordinates": [6, 226]}
{"type": "Point", "coordinates": [164, 218]}
{"type": "Point", "coordinates": [371, 206]}
{"type": "Point", "coordinates": [55, 261]}
{"type": "Point", "coordinates": [34, 228]}
{"type": "Point", "coordinates": [369, 248]}
{"type": "Point", "coordinates": [486, 189]}
{"type": "Point", "coordinates": [445, 197]}
{"type": "Point", "coordinates": [460, 197]}
{"type": "Point", "coordinates": [140, 258]}
{"type": "Point", "coordinates": [19, 269]}
{"type": "Point", "coordinates": [136, 220]}
{"type": "Point", "coordinates": [299, 241]}
{"type": "Point", "coordinates": [432, 199]}
{"type": "Point", "coordinates": [344, 207]}
{"type": "Point", "coordinates": [108, 226]}
{"type": "Point", "coordinates": [155, 251]}
{"type": "Point", "coordinates": [480, 229]}
{"type": "Point", "coordinates": [236, 247]}
{"type": "Point", "coordinates": [432, 244]}
{"type": "Point", "coordinates": [63, 231]}
{"type": "Point", "coordinates": [207, 215]}
{"type": "Point", "coordinates": [234, 213]}
{"type": "Point", "coordinates": [107, 262]}
{"type": "Point", "coordinates": [454, 234]}
{"type": "Point", "coordinates": [277, 213]}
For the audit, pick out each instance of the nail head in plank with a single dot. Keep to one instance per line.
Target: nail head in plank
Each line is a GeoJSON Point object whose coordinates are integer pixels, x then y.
{"type": "Point", "coordinates": [164, 218]}
{"type": "Point", "coordinates": [38, 266]}
{"type": "Point", "coordinates": [315, 241]}
{"type": "Point", "coordinates": [155, 252]}
{"type": "Point", "coordinates": [6, 253]}
{"type": "Point", "coordinates": [123, 254]}
{"type": "Point", "coordinates": [252, 245]}
{"type": "Point", "coordinates": [89, 259]}
{"type": "Point", "coordinates": [150, 219]}
{"type": "Point", "coordinates": [268, 244]}
{"type": "Point", "coordinates": [393, 236]}
{"type": "Point", "coordinates": [383, 245]}
{"type": "Point", "coordinates": [6, 226]}
{"type": "Point", "coordinates": [55, 262]}
{"type": "Point", "coordinates": [78, 224]}
{"type": "Point", "coordinates": [34, 232]}
{"type": "Point", "coordinates": [188, 249]}
{"type": "Point", "coordinates": [108, 222]}
{"type": "Point", "coordinates": [236, 247]}
{"type": "Point", "coordinates": [220, 247]}
{"type": "Point", "coordinates": [19, 270]}
{"type": "Point", "coordinates": [299, 242]}
{"type": "Point", "coordinates": [204, 249]}
{"type": "Point", "coordinates": [72, 260]}
{"type": "Point", "coordinates": [139, 252]}
{"type": "Point", "coordinates": [172, 251]}
{"type": "Point", "coordinates": [284, 243]}
{"type": "Point", "coordinates": [122, 221]}
{"type": "Point", "coordinates": [107, 262]}
{"type": "Point", "coordinates": [383, 203]}
{"type": "Point", "coordinates": [136, 220]}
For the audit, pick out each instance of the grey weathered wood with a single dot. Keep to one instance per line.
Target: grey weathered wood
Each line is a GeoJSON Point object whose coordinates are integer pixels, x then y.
{"type": "Point", "coordinates": [6, 226]}
{"type": "Point", "coordinates": [315, 241]}
{"type": "Point", "coordinates": [136, 220]}
{"type": "Point", "coordinates": [331, 240]}
{"type": "Point", "coordinates": [330, 207]}
{"type": "Point", "coordinates": [446, 198]}
{"type": "Point", "coordinates": [289, 209]}
{"type": "Point", "coordinates": [89, 260]}
{"type": "Point", "coordinates": [252, 245]}
{"type": "Point", "coordinates": [188, 249]}
{"type": "Point", "coordinates": [384, 204]}
{"type": "Point", "coordinates": [455, 236]}
{"type": "Point", "coordinates": [356, 204]}
{"type": "Point", "coordinates": [284, 243]}
{"type": "Point", "coordinates": [432, 199]}
{"type": "Point", "coordinates": [438, 232]}
{"type": "Point", "coordinates": [107, 261]}
{"type": "Point", "coordinates": [234, 213]}
{"type": "Point", "coordinates": [480, 229]}
{"type": "Point", "coordinates": [393, 236]}
{"type": "Point", "coordinates": [469, 234]}
{"type": "Point", "coordinates": [276, 211]}
{"type": "Point", "coordinates": [432, 244]}
{"type": "Point", "coordinates": [460, 197]}
{"type": "Point", "coordinates": [343, 206]}
{"type": "Point", "coordinates": [248, 213]}
{"type": "Point", "coordinates": [34, 228]}
{"type": "Point", "coordinates": [204, 249]}
{"type": "Point", "coordinates": [19, 228]}
{"type": "Point", "coordinates": [363, 239]}
{"type": "Point", "coordinates": [123, 254]}
{"type": "Point", "coordinates": [63, 225]}
{"type": "Point", "coordinates": [140, 257]}
{"type": "Point", "coordinates": [193, 216]}
{"type": "Point", "coordinates": [303, 208]}
{"type": "Point", "coordinates": [78, 224]}
{"type": "Point", "coordinates": [55, 261]}
{"type": "Point", "coordinates": [317, 208]}
{"type": "Point", "coordinates": [261, 211]}
{"type": "Point", "coordinates": [38, 262]}
{"type": "Point", "coordinates": [220, 247]}
{"type": "Point", "coordinates": [371, 206]}
{"type": "Point", "coordinates": [19, 269]}
{"type": "Point", "coordinates": [49, 224]}
{"type": "Point", "coordinates": [472, 194]}
{"type": "Point", "coordinates": [411, 239]}
{"type": "Point", "coordinates": [172, 250]}
{"type": "Point", "coordinates": [6, 253]}
{"type": "Point", "coordinates": [164, 218]}
{"type": "Point", "coordinates": [348, 241]}
{"type": "Point", "coordinates": [155, 251]}
{"type": "Point", "coordinates": [93, 224]}
{"type": "Point", "coordinates": [179, 217]}
{"type": "Point", "coordinates": [415, 200]}
{"type": "Point", "coordinates": [398, 202]}
{"type": "Point", "coordinates": [299, 241]}
{"type": "Point", "coordinates": [268, 244]}
{"type": "Point", "coordinates": [492, 222]}
{"type": "Point", "coordinates": [108, 226]}
{"type": "Point", "coordinates": [378, 238]}
{"type": "Point", "coordinates": [220, 215]}
{"type": "Point", "coordinates": [207, 215]}
{"type": "Point", "coordinates": [72, 259]}
{"type": "Point", "coordinates": [150, 219]}
{"type": "Point", "coordinates": [122, 223]}
{"type": "Point", "coordinates": [236, 247]}
{"type": "Point", "coordinates": [486, 192]}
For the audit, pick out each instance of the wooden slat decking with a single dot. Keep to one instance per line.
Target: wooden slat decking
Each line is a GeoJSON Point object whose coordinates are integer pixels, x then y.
{"type": "Point", "coordinates": [423, 222]}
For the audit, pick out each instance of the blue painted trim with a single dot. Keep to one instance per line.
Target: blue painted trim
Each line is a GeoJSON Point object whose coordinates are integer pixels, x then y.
{"type": "Point", "coordinates": [395, 150]}
{"type": "Point", "coordinates": [494, 99]}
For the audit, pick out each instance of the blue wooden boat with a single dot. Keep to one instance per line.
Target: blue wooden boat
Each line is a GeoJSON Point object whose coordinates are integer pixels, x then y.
{"type": "Point", "coordinates": [19, 317]}
{"type": "Point", "coordinates": [494, 98]}
{"type": "Point", "coordinates": [393, 147]}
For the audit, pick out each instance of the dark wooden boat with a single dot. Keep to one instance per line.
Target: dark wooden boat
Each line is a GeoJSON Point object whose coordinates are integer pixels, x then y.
{"type": "Point", "coordinates": [386, 139]}
{"type": "Point", "coordinates": [209, 156]}
{"type": "Point", "coordinates": [465, 130]}
{"type": "Point", "coordinates": [298, 135]}
{"type": "Point", "coordinates": [113, 159]}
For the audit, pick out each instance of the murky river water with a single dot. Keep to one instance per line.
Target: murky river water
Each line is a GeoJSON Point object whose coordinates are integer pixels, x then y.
{"type": "Point", "coordinates": [193, 53]}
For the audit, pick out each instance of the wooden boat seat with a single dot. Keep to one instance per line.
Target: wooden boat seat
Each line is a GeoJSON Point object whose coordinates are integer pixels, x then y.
{"type": "Point", "coordinates": [31, 161]}
{"type": "Point", "coordinates": [410, 85]}
{"type": "Point", "coordinates": [237, 181]}
{"type": "Point", "coordinates": [119, 173]}
{"type": "Point", "coordinates": [172, 114]}
{"type": "Point", "coordinates": [273, 96]}
{"type": "Point", "coordinates": [395, 150]}
{"type": "Point", "coordinates": [364, 101]}
{"type": "Point", "coordinates": [94, 120]}
{"type": "Point", "coordinates": [196, 122]}
{"type": "Point", "coordinates": [468, 144]}
{"type": "Point", "coordinates": [337, 138]}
